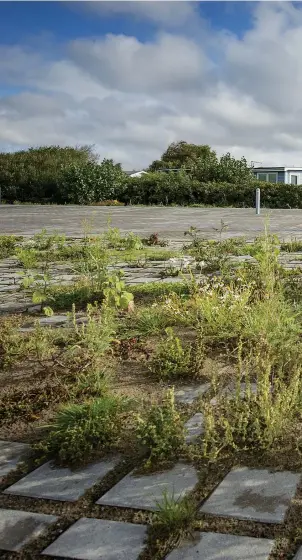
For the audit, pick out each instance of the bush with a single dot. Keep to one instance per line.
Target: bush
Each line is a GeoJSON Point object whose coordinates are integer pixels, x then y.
{"type": "Point", "coordinates": [81, 431]}
{"type": "Point", "coordinates": [179, 188]}
{"type": "Point", "coordinates": [162, 432]}
{"type": "Point", "coordinates": [90, 182]}
{"type": "Point", "coordinates": [8, 245]}
{"type": "Point", "coordinates": [170, 360]}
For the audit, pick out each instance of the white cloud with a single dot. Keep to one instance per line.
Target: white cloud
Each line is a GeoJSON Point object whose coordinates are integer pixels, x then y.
{"type": "Point", "coordinates": [132, 98]}
{"type": "Point", "coordinates": [168, 13]}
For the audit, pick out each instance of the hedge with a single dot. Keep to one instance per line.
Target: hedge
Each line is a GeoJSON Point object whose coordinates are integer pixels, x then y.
{"type": "Point", "coordinates": [158, 188]}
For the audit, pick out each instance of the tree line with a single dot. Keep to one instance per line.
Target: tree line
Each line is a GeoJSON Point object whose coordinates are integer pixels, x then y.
{"type": "Point", "coordinates": [185, 174]}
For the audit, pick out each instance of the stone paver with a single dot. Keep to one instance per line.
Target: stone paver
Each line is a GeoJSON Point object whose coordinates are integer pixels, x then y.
{"type": "Point", "coordinates": [17, 528]}
{"type": "Point", "coordinates": [11, 453]}
{"type": "Point", "coordinates": [230, 391]}
{"type": "Point", "coordinates": [253, 494]}
{"type": "Point", "coordinates": [217, 546]}
{"type": "Point", "coordinates": [194, 427]}
{"type": "Point", "coordinates": [98, 539]}
{"type": "Point", "coordinates": [55, 483]}
{"type": "Point", "coordinates": [144, 492]}
{"type": "Point", "coordinates": [188, 393]}
{"type": "Point", "coordinates": [298, 556]}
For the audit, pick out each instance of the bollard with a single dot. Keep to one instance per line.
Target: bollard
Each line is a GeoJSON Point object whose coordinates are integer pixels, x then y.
{"type": "Point", "coordinates": [258, 202]}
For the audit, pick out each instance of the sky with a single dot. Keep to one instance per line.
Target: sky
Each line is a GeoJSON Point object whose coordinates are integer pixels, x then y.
{"type": "Point", "coordinates": [132, 77]}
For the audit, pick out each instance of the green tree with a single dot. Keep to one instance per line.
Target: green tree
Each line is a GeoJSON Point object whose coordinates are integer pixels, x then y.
{"type": "Point", "coordinates": [182, 155]}
{"type": "Point", "coordinates": [91, 182]}
{"type": "Point", "coordinates": [34, 175]}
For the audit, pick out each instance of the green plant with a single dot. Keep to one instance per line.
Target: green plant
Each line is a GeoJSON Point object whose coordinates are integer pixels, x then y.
{"type": "Point", "coordinates": [44, 241]}
{"type": "Point", "coordinates": [8, 245]}
{"type": "Point", "coordinates": [27, 257]}
{"type": "Point", "coordinates": [249, 421]}
{"type": "Point", "coordinates": [292, 246]}
{"type": "Point", "coordinates": [174, 516]}
{"type": "Point", "coordinates": [81, 431]}
{"type": "Point", "coordinates": [93, 382]}
{"type": "Point", "coordinates": [161, 432]}
{"type": "Point", "coordinates": [170, 360]}
{"type": "Point", "coordinates": [115, 293]}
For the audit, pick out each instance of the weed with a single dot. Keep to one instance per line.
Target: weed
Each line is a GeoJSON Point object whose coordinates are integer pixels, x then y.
{"type": "Point", "coordinates": [252, 421]}
{"type": "Point", "coordinates": [94, 382]}
{"type": "Point", "coordinates": [44, 241]}
{"type": "Point", "coordinates": [27, 257]}
{"type": "Point", "coordinates": [292, 246]}
{"type": "Point", "coordinates": [115, 293]}
{"type": "Point", "coordinates": [82, 431]}
{"type": "Point", "coordinates": [174, 516]}
{"type": "Point", "coordinates": [161, 432]}
{"type": "Point", "coordinates": [170, 360]}
{"type": "Point", "coordinates": [8, 245]}
{"type": "Point", "coordinates": [153, 240]}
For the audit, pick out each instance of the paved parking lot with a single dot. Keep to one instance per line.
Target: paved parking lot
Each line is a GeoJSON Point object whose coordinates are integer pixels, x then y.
{"type": "Point", "coordinates": [168, 222]}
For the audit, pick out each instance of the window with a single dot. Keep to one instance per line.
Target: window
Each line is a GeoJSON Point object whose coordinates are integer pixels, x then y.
{"type": "Point", "coordinates": [294, 179]}
{"type": "Point", "coordinates": [272, 177]}
{"type": "Point", "coordinates": [268, 177]}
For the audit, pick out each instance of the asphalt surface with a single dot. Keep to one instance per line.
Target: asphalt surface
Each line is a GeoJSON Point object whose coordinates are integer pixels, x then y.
{"type": "Point", "coordinates": [167, 222]}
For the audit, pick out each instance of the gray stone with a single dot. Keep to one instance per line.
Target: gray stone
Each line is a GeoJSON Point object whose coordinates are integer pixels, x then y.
{"type": "Point", "coordinates": [144, 492]}
{"type": "Point", "coordinates": [18, 528]}
{"type": "Point", "coordinates": [257, 495]}
{"type": "Point", "coordinates": [298, 556]}
{"type": "Point", "coordinates": [53, 321]}
{"type": "Point", "coordinates": [194, 427]}
{"type": "Point", "coordinates": [99, 539]}
{"type": "Point", "coordinates": [231, 390]}
{"type": "Point", "coordinates": [217, 546]}
{"type": "Point", "coordinates": [11, 453]}
{"type": "Point", "coordinates": [188, 393]}
{"type": "Point", "coordinates": [57, 483]}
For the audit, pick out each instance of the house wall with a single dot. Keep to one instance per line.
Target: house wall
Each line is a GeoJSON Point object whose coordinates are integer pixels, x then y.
{"type": "Point", "coordinates": [290, 172]}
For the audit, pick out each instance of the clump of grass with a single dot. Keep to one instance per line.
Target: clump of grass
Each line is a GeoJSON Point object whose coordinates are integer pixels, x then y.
{"type": "Point", "coordinates": [81, 431]}
{"type": "Point", "coordinates": [161, 432]}
{"type": "Point", "coordinates": [175, 516]}
{"type": "Point", "coordinates": [170, 360]}
{"type": "Point", "coordinates": [292, 246]}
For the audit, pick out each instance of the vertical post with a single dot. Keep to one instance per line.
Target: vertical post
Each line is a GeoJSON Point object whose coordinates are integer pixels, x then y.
{"type": "Point", "coordinates": [0, 195]}
{"type": "Point", "coordinates": [258, 202]}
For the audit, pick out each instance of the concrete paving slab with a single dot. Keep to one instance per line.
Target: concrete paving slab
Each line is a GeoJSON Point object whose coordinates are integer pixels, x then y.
{"type": "Point", "coordinates": [188, 393]}
{"type": "Point", "coordinates": [144, 492]}
{"type": "Point", "coordinates": [217, 546]}
{"type": "Point", "coordinates": [253, 494]}
{"type": "Point", "coordinates": [18, 528]}
{"type": "Point", "coordinates": [99, 539]}
{"type": "Point", "coordinates": [298, 556]}
{"type": "Point", "coordinates": [11, 454]}
{"type": "Point", "coordinates": [194, 427]}
{"type": "Point", "coordinates": [57, 483]}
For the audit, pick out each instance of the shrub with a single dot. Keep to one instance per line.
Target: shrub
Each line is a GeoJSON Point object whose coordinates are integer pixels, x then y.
{"type": "Point", "coordinates": [161, 432]}
{"type": "Point", "coordinates": [8, 245]}
{"type": "Point", "coordinates": [170, 360]}
{"type": "Point", "coordinates": [81, 431]}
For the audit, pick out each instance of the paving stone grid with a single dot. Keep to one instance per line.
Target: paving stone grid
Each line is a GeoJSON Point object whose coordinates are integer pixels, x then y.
{"type": "Point", "coordinates": [251, 494]}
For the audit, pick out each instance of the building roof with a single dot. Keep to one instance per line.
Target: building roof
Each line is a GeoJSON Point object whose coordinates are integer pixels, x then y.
{"type": "Point", "coordinates": [275, 168]}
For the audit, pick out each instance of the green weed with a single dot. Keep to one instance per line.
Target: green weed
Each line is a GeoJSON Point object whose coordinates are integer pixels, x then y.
{"type": "Point", "coordinates": [161, 432]}
{"type": "Point", "coordinates": [170, 360]}
{"type": "Point", "coordinates": [8, 245]}
{"type": "Point", "coordinates": [174, 516]}
{"type": "Point", "coordinates": [82, 431]}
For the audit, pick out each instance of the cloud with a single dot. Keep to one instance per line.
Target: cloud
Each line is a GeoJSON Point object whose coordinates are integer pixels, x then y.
{"type": "Point", "coordinates": [132, 98]}
{"type": "Point", "coordinates": [168, 13]}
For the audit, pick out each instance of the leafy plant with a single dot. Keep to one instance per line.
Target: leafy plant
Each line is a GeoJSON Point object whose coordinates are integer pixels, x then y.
{"type": "Point", "coordinates": [8, 245]}
{"type": "Point", "coordinates": [161, 432]}
{"type": "Point", "coordinates": [170, 359]}
{"type": "Point", "coordinates": [82, 431]}
{"type": "Point", "coordinates": [115, 293]}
